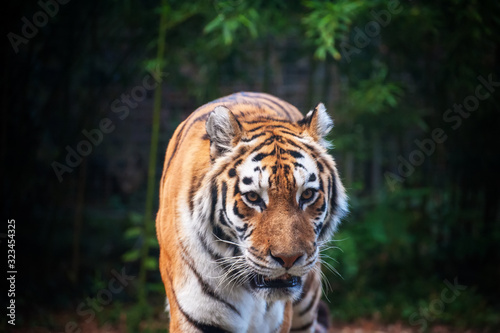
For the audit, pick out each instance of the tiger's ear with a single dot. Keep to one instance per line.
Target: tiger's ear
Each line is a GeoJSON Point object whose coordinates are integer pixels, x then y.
{"type": "Point", "coordinates": [318, 124]}
{"type": "Point", "coordinates": [224, 131]}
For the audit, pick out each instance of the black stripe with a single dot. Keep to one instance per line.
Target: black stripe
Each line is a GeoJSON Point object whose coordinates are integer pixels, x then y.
{"type": "Point", "coordinates": [296, 135]}
{"type": "Point", "coordinates": [223, 213]}
{"type": "Point", "coordinates": [253, 249]}
{"type": "Point", "coordinates": [237, 122]}
{"type": "Point", "coordinates": [237, 252]}
{"type": "Point", "coordinates": [215, 256]}
{"type": "Point", "coordinates": [206, 328]}
{"type": "Point", "coordinates": [207, 289]}
{"type": "Point", "coordinates": [320, 167]}
{"type": "Point", "coordinates": [312, 260]}
{"type": "Point", "coordinates": [281, 127]}
{"type": "Point", "coordinates": [308, 146]}
{"type": "Point", "coordinates": [227, 222]}
{"type": "Point", "coordinates": [248, 235]}
{"type": "Point", "coordinates": [264, 105]}
{"type": "Point", "coordinates": [259, 157]}
{"type": "Point", "coordinates": [286, 169]}
{"type": "Point", "coordinates": [224, 219]}
{"type": "Point", "coordinates": [214, 194]}
{"type": "Point", "coordinates": [242, 230]}
{"type": "Point", "coordinates": [177, 142]}
{"type": "Point", "coordinates": [300, 299]}
{"type": "Point", "coordinates": [306, 120]}
{"type": "Point", "coordinates": [268, 120]}
{"type": "Point", "coordinates": [217, 230]}
{"type": "Point", "coordinates": [270, 140]}
{"type": "Point", "coordinates": [333, 198]}
{"type": "Point", "coordinates": [238, 162]}
{"type": "Point", "coordinates": [195, 184]}
{"type": "Point", "coordinates": [255, 129]}
{"type": "Point", "coordinates": [257, 264]}
{"type": "Point", "coordinates": [255, 253]}
{"type": "Point", "coordinates": [325, 228]}
{"type": "Point", "coordinates": [323, 207]}
{"type": "Point", "coordinates": [295, 144]}
{"type": "Point", "coordinates": [281, 107]}
{"type": "Point", "coordinates": [253, 137]}
{"type": "Point", "coordinates": [224, 195]}
{"type": "Point", "coordinates": [302, 328]}
{"type": "Point", "coordinates": [220, 234]}
{"type": "Point", "coordinates": [298, 165]}
{"type": "Point", "coordinates": [236, 211]}
{"type": "Point", "coordinates": [321, 187]}
{"type": "Point", "coordinates": [311, 303]}
{"type": "Point", "coordinates": [295, 154]}
{"type": "Point", "coordinates": [236, 187]}
{"type": "Point", "coordinates": [318, 228]}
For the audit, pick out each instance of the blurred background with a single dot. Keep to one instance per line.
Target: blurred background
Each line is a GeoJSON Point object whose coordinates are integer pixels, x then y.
{"type": "Point", "coordinates": [93, 90]}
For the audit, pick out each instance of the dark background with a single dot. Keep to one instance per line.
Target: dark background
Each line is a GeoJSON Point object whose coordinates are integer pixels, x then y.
{"type": "Point", "coordinates": [424, 206]}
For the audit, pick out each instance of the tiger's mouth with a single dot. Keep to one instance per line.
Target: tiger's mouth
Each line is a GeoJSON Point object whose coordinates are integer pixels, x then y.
{"type": "Point", "coordinates": [283, 281]}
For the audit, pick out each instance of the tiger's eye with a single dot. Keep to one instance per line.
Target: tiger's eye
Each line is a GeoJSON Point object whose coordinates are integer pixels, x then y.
{"type": "Point", "coordinates": [252, 197]}
{"type": "Point", "coordinates": [307, 195]}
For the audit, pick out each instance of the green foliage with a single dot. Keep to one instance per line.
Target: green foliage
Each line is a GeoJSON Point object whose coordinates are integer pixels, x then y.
{"type": "Point", "coordinates": [379, 254]}
{"type": "Point", "coordinates": [328, 22]}
{"type": "Point", "coordinates": [135, 233]}
{"type": "Point", "coordinates": [229, 22]}
{"type": "Point", "coordinates": [374, 96]}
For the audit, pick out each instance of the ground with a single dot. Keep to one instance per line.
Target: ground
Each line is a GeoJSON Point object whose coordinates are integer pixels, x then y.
{"type": "Point", "coordinates": [157, 325]}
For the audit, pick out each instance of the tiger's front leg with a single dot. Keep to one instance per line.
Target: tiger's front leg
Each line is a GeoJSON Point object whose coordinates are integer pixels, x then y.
{"type": "Point", "coordinates": [176, 322]}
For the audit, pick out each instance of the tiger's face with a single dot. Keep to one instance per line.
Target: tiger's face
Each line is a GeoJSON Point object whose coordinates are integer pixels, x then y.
{"type": "Point", "coordinates": [282, 201]}
{"type": "Point", "coordinates": [280, 198]}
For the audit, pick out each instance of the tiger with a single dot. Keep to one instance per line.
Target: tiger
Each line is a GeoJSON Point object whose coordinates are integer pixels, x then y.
{"type": "Point", "coordinates": [248, 196]}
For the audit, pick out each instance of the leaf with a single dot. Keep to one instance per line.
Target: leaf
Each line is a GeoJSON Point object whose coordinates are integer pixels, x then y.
{"type": "Point", "coordinates": [215, 23]}
{"type": "Point", "coordinates": [151, 263]}
{"type": "Point", "coordinates": [327, 22]}
{"type": "Point", "coordinates": [136, 218]}
{"type": "Point", "coordinates": [392, 101]}
{"type": "Point", "coordinates": [133, 232]}
{"type": "Point", "coordinates": [153, 242]}
{"type": "Point", "coordinates": [249, 24]}
{"type": "Point", "coordinates": [132, 255]}
{"type": "Point", "coordinates": [226, 34]}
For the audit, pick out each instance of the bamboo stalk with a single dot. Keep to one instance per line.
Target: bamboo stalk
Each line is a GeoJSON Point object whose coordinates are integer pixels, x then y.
{"type": "Point", "coordinates": [148, 220]}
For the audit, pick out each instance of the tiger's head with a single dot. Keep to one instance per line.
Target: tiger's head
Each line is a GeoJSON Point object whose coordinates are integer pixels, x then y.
{"type": "Point", "coordinates": [273, 198]}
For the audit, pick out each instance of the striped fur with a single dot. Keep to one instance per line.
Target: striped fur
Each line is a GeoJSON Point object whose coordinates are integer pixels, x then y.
{"type": "Point", "coordinates": [248, 191]}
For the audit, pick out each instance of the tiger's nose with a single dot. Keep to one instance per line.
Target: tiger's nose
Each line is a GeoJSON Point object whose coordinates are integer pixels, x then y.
{"type": "Point", "coordinates": [286, 260]}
